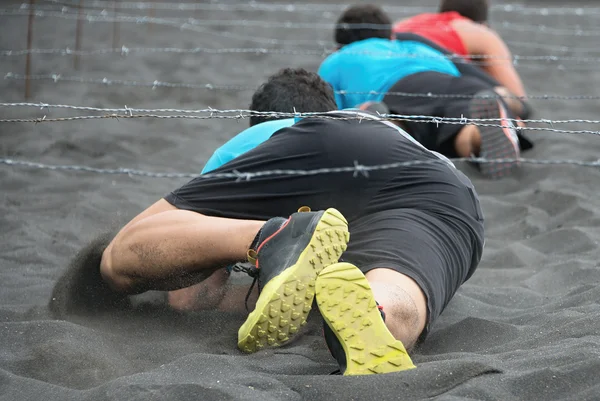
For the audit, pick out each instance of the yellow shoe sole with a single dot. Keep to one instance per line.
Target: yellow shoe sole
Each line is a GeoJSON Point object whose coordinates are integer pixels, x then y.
{"type": "Point", "coordinates": [286, 300]}
{"type": "Point", "coordinates": [347, 304]}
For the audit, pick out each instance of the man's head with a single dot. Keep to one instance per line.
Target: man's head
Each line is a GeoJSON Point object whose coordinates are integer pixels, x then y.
{"type": "Point", "coordinates": [475, 10]}
{"type": "Point", "coordinates": [368, 14]}
{"type": "Point", "coordinates": [289, 90]}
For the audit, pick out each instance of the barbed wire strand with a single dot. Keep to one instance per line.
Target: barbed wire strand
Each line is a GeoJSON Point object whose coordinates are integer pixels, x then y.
{"type": "Point", "coordinates": [357, 169]}
{"type": "Point", "coordinates": [240, 88]}
{"type": "Point", "coordinates": [104, 17]}
{"type": "Point", "coordinates": [559, 48]}
{"type": "Point", "coordinates": [211, 111]}
{"type": "Point", "coordinates": [241, 113]}
{"type": "Point", "coordinates": [189, 27]}
{"type": "Point", "coordinates": [318, 8]}
{"type": "Point", "coordinates": [240, 116]}
{"type": "Point", "coordinates": [124, 51]}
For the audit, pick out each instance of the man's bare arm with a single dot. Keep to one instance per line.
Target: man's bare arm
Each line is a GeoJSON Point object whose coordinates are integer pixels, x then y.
{"type": "Point", "coordinates": [214, 293]}
{"type": "Point", "coordinates": [164, 249]}
{"type": "Point", "coordinates": [157, 207]}
{"type": "Point", "coordinates": [483, 41]}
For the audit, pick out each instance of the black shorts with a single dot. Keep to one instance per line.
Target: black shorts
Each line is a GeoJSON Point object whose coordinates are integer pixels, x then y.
{"type": "Point", "coordinates": [422, 220]}
{"type": "Point", "coordinates": [433, 135]}
{"type": "Point", "coordinates": [451, 100]}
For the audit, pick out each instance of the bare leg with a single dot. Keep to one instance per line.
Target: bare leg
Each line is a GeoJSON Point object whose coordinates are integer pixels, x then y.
{"type": "Point", "coordinates": [468, 141]}
{"type": "Point", "coordinates": [205, 295]}
{"type": "Point", "coordinates": [403, 302]}
{"type": "Point", "coordinates": [214, 293]}
{"type": "Point", "coordinates": [174, 249]}
{"type": "Point", "coordinates": [235, 299]}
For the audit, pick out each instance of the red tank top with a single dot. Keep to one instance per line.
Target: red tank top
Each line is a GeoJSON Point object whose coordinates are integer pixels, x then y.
{"type": "Point", "coordinates": [437, 28]}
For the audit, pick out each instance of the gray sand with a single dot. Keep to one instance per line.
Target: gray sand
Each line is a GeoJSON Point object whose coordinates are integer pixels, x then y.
{"type": "Point", "coordinates": [525, 327]}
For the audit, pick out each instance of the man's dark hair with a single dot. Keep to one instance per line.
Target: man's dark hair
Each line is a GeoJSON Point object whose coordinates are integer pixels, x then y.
{"type": "Point", "coordinates": [367, 14]}
{"type": "Point", "coordinates": [475, 10]}
{"type": "Point", "coordinates": [289, 90]}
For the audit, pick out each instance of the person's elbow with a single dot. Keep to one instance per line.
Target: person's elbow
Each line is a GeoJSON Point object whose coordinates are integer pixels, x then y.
{"type": "Point", "coordinates": [110, 273]}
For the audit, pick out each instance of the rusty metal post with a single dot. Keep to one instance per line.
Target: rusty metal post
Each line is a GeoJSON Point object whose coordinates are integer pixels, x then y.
{"type": "Point", "coordinates": [29, 43]}
{"type": "Point", "coordinates": [78, 30]}
{"type": "Point", "coordinates": [151, 14]}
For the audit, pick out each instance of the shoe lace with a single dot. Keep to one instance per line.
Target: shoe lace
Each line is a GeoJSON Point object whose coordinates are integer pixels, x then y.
{"type": "Point", "coordinates": [250, 269]}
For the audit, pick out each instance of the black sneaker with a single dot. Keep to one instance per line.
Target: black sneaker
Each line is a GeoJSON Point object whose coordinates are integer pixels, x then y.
{"type": "Point", "coordinates": [288, 255]}
{"type": "Point", "coordinates": [354, 324]}
{"type": "Point", "coordinates": [496, 142]}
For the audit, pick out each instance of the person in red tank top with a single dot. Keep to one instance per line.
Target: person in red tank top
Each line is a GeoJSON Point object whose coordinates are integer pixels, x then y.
{"type": "Point", "coordinates": [461, 28]}
{"type": "Point", "coordinates": [437, 28]}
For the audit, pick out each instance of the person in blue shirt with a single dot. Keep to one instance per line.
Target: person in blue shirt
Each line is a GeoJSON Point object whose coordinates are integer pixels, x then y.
{"type": "Point", "coordinates": [245, 141]}
{"type": "Point", "coordinates": [292, 81]}
{"type": "Point", "coordinates": [296, 83]}
{"type": "Point", "coordinates": [413, 77]}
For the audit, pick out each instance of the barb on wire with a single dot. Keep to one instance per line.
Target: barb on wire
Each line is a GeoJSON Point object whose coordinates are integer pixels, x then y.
{"type": "Point", "coordinates": [211, 111]}
{"type": "Point", "coordinates": [104, 17]}
{"type": "Point", "coordinates": [356, 169]}
{"type": "Point", "coordinates": [240, 88]}
{"type": "Point", "coordinates": [318, 7]}
{"type": "Point", "coordinates": [482, 60]}
{"type": "Point", "coordinates": [240, 115]}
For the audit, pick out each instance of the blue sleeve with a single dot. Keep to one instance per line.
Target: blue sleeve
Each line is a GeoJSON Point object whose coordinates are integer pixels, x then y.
{"type": "Point", "coordinates": [244, 142]}
{"type": "Point", "coordinates": [213, 163]}
{"type": "Point", "coordinates": [328, 72]}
